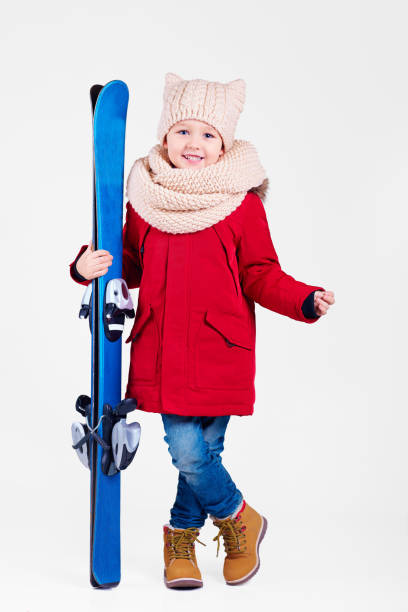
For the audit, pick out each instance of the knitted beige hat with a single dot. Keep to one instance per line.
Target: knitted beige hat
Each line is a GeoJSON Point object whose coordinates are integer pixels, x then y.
{"type": "Point", "coordinates": [217, 104]}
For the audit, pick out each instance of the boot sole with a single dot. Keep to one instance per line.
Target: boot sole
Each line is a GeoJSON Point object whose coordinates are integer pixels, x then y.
{"type": "Point", "coordinates": [182, 583]}
{"type": "Point", "coordinates": [256, 568]}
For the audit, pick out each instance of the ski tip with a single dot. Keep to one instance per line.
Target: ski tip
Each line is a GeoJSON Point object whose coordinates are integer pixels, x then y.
{"type": "Point", "coordinates": [94, 93]}
{"type": "Point", "coordinates": [95, 90]}
{"type": "Point", "coordinates": [116, 92]}
{"type": "Point", "coordinates": [117, 84]}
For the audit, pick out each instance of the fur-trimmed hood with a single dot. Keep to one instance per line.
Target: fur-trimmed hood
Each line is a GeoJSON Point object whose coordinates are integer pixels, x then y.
{"type": "Point", "coordinates": [261, 190]}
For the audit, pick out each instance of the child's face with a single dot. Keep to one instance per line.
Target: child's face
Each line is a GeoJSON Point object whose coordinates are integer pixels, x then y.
{"type": "Point", "coordinates": [195, 137]}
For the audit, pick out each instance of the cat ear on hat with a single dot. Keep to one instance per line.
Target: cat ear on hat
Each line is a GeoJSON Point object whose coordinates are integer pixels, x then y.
{"type": "Point", "coordinates": [171, 79]}
{"type": "Point", "coordinates": [237, 90]}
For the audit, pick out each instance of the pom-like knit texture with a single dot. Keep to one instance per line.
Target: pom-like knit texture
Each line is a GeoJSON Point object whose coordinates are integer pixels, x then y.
{"type": "Point", "coordinates": [182, 200]}
{"type": "Point", "coordinates": [217, 104]}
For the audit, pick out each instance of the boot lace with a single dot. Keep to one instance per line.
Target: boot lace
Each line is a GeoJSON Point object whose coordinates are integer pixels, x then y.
{"type": "Point", "coordinates": [232, 531]}
{"type": "Point", "coordinates": [181, 543]}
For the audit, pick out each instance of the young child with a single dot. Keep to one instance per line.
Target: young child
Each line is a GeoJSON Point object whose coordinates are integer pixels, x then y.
{"type": "Point", "coordinates": [196, 242]}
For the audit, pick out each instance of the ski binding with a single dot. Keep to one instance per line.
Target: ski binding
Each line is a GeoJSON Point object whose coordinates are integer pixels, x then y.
{"type": "Point", "coordinates": [116, 305]}
{"type": "Point", "coordinates": [120, 440]}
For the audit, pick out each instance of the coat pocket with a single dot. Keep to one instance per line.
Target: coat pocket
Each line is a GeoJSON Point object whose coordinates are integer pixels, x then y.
{"type": "Point", "coordinates": [144, 349]}
{"type": "Point", "coordinates": [224, 352]}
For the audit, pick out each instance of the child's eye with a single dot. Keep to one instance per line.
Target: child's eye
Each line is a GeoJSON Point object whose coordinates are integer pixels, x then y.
{"type": "Point", "coordinates": [206, 134]}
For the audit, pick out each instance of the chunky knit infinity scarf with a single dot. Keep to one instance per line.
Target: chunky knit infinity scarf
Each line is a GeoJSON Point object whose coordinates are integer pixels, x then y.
{"type": "Point", "coordinates": [182, 200]}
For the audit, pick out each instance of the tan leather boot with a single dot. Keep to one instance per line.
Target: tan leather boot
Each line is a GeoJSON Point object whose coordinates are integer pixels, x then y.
{"type": "Point", "coordinates": [242, 537]}
{"type": "Point", "coordinates": [180, 564]}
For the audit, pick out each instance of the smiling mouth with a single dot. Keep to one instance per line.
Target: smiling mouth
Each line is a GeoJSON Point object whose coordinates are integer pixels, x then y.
{"type": "Point", "coordinates": [193, 157]}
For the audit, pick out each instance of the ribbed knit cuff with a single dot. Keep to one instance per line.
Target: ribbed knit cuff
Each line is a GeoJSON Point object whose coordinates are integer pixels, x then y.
{"type": "Point", "coordinates": [75, 272]}
{"type": "Point", "coordinates": [308, 308]}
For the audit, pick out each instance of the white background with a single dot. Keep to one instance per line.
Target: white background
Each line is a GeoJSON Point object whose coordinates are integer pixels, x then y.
{"type": "Point", "coordinates": [325, 455]}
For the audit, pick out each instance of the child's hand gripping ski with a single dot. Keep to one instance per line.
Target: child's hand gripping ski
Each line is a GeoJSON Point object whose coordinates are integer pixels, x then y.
{"type": "Point", "coordinates": [93, 264]}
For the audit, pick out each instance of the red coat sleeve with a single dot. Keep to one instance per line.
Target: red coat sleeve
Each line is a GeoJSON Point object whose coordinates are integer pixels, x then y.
{"type": "Point", "coordinates": [260, 273]}
{"type": "Point", "coordinates": [72, 267]}
{"type": "Point", "coordinates": [131, 267]}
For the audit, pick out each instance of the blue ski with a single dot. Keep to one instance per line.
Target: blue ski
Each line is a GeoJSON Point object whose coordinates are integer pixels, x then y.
{"type": "Point", "coordinates": [109, 124]}
{"type": "Point", "coordinates": [105, 443]}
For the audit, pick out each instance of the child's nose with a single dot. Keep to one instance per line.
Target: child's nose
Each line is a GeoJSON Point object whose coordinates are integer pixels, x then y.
{"type": "Point", "coordinates": [194, 142]}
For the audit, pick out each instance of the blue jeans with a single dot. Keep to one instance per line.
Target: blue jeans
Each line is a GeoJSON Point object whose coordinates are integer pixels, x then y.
{"type": "Point", "coordinates": [204, 485]}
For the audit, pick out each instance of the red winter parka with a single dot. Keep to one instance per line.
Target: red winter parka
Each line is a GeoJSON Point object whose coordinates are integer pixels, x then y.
{"type": "Point", "coordinates": [193, 339]}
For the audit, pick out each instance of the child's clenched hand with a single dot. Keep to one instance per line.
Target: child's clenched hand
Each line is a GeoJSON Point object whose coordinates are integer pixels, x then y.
{"type": "Point", "coordinates": [92, 263]}
{"type": "Point", "coordinates": [323, 301]}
